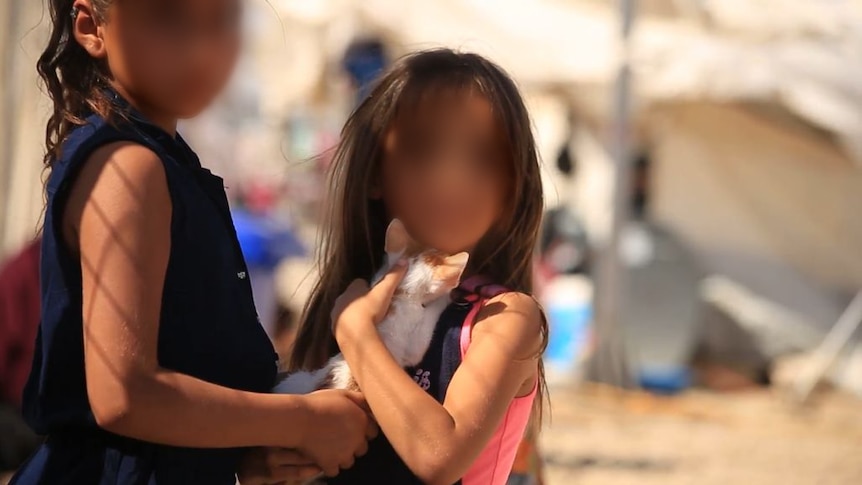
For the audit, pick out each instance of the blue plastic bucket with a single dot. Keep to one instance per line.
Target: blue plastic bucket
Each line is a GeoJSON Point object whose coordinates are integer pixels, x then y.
{"type": "Point", "coordinates": [569, 332]}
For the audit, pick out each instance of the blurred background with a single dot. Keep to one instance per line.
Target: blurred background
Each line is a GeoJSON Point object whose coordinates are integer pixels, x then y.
{"type": "Point", "coordinates": [701, 258]}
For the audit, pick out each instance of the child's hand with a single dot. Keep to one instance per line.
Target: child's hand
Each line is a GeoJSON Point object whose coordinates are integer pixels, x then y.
{"type": "Point", "coordinates": [339, 428]}
{"type": "Point", "coordinates": [262, 466]}
{"type": "Point", "coordinates": [359, 308]}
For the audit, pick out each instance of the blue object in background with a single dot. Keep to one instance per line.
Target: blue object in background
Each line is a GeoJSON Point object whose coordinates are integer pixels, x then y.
{"type": "Point", "coordinates": [364, 60]}
{"type": "Point", "coordinates": [569, 330]}
{"type": "Point", "coordinates": [664, 379]}
{"type": "Point", "coordinates": [265, 241]}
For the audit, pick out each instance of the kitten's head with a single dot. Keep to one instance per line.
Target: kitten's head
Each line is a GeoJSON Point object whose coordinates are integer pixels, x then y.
{"type": "Point", "coordinates": [430, 273]}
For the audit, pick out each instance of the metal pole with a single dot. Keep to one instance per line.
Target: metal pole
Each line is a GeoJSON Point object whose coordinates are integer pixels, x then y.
{"type": "Point", "coordinates": [609, 364]}
{"type": "Point", "coordinates": [828, 351]}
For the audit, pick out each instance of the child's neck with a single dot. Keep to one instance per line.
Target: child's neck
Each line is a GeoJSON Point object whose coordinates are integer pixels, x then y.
{"type": "Point", "coordinates": [163, 120]}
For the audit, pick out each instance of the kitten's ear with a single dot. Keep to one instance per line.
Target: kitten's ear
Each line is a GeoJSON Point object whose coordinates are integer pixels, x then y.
{"type": "Point", "coordinates": [397, 239]}
{"type": "Point", "coordinates": [458, 260]}
{"type": "Point", "coordinates": [452, 268]}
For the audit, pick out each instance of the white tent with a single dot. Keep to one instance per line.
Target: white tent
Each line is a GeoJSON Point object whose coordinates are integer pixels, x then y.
{"type": "Point", "coordinates": [804, 55]}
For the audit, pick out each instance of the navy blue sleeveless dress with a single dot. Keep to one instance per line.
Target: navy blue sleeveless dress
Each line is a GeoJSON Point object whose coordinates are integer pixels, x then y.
{"type": "Point", "coordinates": [208, 329]}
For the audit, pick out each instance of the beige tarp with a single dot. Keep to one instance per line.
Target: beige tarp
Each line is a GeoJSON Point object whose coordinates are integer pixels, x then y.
{"type": "Point", "coordinates": [730, 181]}
{"type": "Point", "coordinates": [805, 55]}
{"type": "Point", "coordinates": [23, 111]}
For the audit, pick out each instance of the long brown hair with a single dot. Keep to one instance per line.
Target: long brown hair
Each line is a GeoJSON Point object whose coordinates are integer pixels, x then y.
{"type": "Point", "coordinates": [352, 238]}
{"type": "Point", "coordinates": [74, 80]}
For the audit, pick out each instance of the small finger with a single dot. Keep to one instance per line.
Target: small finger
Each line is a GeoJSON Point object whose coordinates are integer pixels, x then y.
{"type": "Point", "coordinates": [347, 463]}
{"type": "Point", "coordinates": [383, 291]}
{"type": "Point", "coordinates": [362, 450]}
{"type": "Point", "coordinates": [331, 471]}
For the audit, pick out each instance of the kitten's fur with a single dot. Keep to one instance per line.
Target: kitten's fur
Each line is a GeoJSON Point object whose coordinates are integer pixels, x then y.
{"type": "Point", "coordinates": [409, 326]}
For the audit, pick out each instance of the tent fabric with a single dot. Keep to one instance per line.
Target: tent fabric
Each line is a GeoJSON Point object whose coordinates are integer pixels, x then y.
{"type": "Point", "coordinates": [782, 198]}
{"type": "Point", "coordinates": [803, 55]}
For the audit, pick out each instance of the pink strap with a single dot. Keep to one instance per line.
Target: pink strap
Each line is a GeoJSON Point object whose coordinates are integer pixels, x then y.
{"type": "Point", "coordinates": [467, 326]}
{"type": "Point", "coordinates": [472, 283]}
{"type": "Point", "coordinates": [485, 289]}
{"type": "Point", "coordinates": [482, 286]}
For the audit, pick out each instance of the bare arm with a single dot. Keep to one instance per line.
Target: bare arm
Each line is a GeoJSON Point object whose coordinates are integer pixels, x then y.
{"type": "Point", "coordinates": [440, 442]}
{"type": "Point", "coordinates": [119, 217]}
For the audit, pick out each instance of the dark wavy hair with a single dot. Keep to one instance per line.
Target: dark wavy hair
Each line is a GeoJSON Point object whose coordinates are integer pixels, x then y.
{"type": "Point", "coordinates": [73, 79]}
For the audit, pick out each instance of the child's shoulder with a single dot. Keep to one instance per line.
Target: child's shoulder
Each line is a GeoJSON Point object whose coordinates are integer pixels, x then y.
{"type": "Point", "coordinates": [515, 317]}
{"type": "Point", "coordinates": [96, 132]}
{"type": "Point", "coordinates": [516, 300]}
{"type": "Point", "coordinates": [95, 144]}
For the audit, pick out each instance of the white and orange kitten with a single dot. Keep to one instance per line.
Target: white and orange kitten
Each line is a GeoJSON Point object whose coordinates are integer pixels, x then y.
{"type": "Point", "coordinates": [408, 327]}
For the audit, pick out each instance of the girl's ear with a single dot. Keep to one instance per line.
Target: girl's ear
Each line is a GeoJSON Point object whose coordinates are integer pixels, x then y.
{"type": "Point", "coordinates": [87, 29]}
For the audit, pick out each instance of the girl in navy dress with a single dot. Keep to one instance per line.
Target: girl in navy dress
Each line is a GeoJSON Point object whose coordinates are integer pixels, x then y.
{"type": "Point", "coordinates": [151, 366]}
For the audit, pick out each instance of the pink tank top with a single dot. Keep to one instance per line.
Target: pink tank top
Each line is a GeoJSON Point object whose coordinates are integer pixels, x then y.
{"type": "Point", "coordinates": [495, 462]}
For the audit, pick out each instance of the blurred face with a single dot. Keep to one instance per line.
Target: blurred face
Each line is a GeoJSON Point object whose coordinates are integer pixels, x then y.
{"type": "Point", "coordinates": [173, 56]}
{"type": "Point", "coordinates": [445, 173]}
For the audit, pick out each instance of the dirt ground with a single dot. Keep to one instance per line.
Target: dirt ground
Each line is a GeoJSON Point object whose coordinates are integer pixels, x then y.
{"type": "Point", "coordinates": [598, 435]}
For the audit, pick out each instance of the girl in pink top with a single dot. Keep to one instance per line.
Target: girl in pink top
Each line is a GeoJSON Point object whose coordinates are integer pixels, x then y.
{"type": "Point", "coordinates": [444, 144]}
